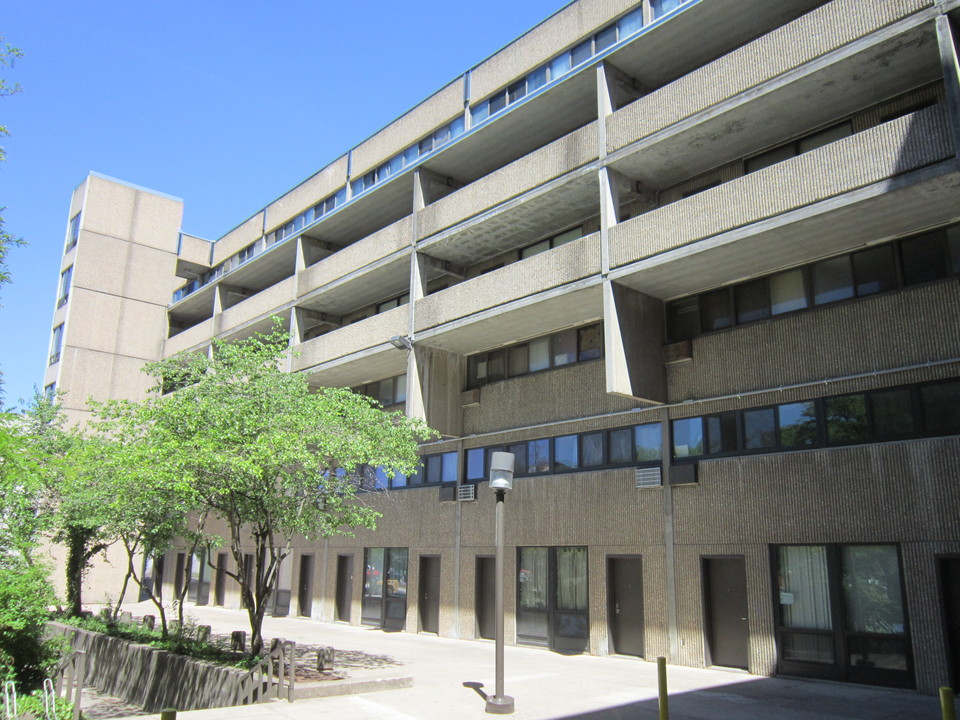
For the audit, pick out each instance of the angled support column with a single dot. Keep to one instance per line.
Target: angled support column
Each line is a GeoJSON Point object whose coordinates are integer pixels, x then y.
{"type": "Point", "coordinates": [947, 40]}
{"type": "Point", "coordinates": [633, 340]}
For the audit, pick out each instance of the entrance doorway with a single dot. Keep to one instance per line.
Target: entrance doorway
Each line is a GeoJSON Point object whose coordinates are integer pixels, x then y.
{"type": "Point", "coordinates": [220, 581]}
{"type": "Point", "coordinates": [486, 598]}
{"type": "Point", "coordinates": [552, 598]}
{"type": "Point", "coordinates": [950, 599]}
{"type": "Point", "coordinates": [725, 601]}
{"type": "Point", "coordinates": [428, 600]}
{"type": "Point", "coordinates": [344, 587]}
{"type": "Point", "coordinates": [625, 604]}
{"type": "Point", "coordinates": [305, 587]}
{"type": "Point", "coordinates": [385, 588]}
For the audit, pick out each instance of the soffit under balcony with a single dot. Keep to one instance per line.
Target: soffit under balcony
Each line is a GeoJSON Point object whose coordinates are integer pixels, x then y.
{"type": "Point", "coordinates": [372, 364]}
{"type": "Point", "coordinates": [266, 269]}
{"type": "Point", "coordinates": [195, 307]}
{"type": "Point", "coordinates": [529, 317]}
{"type": "Point", "coordinates": [787, 108]}
{"type": "Point", "coordinates": [874, 214]}
{"type": "Point", "coordinates": [373, 210]}
{"type": "Point", "coordinates": [382, 280]}
{"type": "Point", "coordinates": [520, 129]}
{"type": "Point", "coordinates": [704, 30]}
{"type": "Point", "coordinates": [520, 221]}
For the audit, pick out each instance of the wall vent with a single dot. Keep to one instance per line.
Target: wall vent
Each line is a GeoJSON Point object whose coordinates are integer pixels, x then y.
{"type": "Point", "coordinates": [648, 477]}
{"type": "Point", "coordinates": [465, 493]}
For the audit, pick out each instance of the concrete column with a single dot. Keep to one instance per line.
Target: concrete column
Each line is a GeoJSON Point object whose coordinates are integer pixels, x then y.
{"type": "Point", "coordinates": [633, 341]}
{"type": "Point", "coordinates": [947, 40]}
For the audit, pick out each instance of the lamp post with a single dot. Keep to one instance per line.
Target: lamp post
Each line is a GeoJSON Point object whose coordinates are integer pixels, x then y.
{"type": "Point", "coordinates": [501, 480]}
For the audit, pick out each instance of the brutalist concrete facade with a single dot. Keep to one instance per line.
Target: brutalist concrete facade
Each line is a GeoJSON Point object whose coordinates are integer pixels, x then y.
{"type": "Point", "coordinates": [719, 235]}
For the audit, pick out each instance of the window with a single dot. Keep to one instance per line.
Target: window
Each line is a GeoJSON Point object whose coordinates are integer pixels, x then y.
{"type": "Point", "coordinates": [722, 433]}
{"type": "Point", "coordinates": [832, 280]}
{"type": "Point", "coordinates": [797, 147]}
{"type": "Point", "coordinates": [892, 412]}
{"type": "Point", "coordinates": [798, 424]}
{"type": "Point", "coordinates": [759, 430]}
{"type": "Point", "coordinates": [715, 310]}
{"type": "Point", "coordinates": [591, 449]}
{"type": "Point", "coordinates": [874, 270]}
{"type": "Point", "coordinates": [65, 280]}
{"type": "Point", "coordinates": [846, 418]}
{"type": "Point", "coordinates": [940, 403]}
{"type": "Point", "coordinates": [566, 456]}
{"type": "Point", "coordinates": [538, 456]}
{"type": "Point", "coordinates": [924, 258]}
{"type": "Point", "coordinates": [475, 464]}
{"type": "Point", "coordinates": [50, 392]}
{"type": "Point", "coordinates": [389, 391]}
{"type": "Point", "coordinates": [56, 343]}
{"type": "Point", "coordinates": [688, 437]}
{"type": "Point", "coordinates": [787, 292]}
{"type": "Point", "coordinates": [552, 242]}
{"type": "Point", "coordinates": [648, 442]}
{"type": "Point", "coordinates": [73, 232]}
{"type": "Point", "coordinates": [753, 301]}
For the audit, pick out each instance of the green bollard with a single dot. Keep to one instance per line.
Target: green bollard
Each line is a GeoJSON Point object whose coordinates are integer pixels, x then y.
{"type": "Point", "coordinates": [662, 688]}
{"type": "Point", "coordinates": [168, 714]}
{"type": "Point", "coordinates": [947, 708]}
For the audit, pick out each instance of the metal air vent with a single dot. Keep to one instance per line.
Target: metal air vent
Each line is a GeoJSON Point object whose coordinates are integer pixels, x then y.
{"type": "Point", "coordinates": [648, 477]}
{"type": "Point", "coordinates": [465, 493]}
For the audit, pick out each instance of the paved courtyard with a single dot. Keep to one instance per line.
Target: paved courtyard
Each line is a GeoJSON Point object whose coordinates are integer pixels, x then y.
{"type": "Point", "coordinates": [450, 677]}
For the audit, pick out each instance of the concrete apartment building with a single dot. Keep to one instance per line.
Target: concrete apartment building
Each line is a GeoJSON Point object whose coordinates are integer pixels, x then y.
{"type": "Point", "coordinates": [695, 263]}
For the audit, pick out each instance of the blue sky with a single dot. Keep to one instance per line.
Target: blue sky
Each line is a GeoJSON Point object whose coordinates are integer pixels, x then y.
{"type": "Point", "coordinates": [224, 104]}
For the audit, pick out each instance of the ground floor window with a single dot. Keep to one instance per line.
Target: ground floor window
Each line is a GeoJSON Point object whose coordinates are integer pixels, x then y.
{"type": "Point", "coordinates": [385, 588]}
{"type": "Point", "coordinates": [552, 599]}
{"type": "Point", "coordinates": [842, 614]}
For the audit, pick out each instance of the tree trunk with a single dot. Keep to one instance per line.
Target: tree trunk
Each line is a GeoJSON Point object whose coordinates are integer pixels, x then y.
{"type": "Point", "coordinates": [76, 566]}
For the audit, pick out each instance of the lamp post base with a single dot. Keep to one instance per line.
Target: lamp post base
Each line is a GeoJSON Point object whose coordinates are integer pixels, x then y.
{"type": "Point", "coordinates": [499, 704]}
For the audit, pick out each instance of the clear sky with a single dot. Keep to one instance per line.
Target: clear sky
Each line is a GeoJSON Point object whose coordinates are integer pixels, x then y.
{"type": "Point", "coordinates": [225, 104]}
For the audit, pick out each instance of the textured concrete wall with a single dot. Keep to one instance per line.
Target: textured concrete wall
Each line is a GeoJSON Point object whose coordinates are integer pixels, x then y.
{"type": "Point", "coordinates": [131, 214]}
{"type": "Point", "coordinates": [563, 394]}
{"type": "Point", "coordinates": [353, 338]}
{"type": "Point", "coordinates": [356, 256]}
{"type": "Point", "coordinates": [191, 337]}
{"type": "Point", "coordinates": [194, 249]}
{"type": "Point", "coordinates": [884, 151]}
{"type": "Point", "coordinates": [563, 29]}
{"type": "Point", "coordinates": [264, 302]}
{"type": "Point", "coordinates": [548, 162]}
{"type": "Point", "coordinates": [315, 188]}
{"type": "Point", "coordinates": [560, 266]}
{"type": "Point", "coordinates": [441, 107]}
{"type": "Point", "coordinates": [806, 38]}
{"type": "Point", "coordinates": [241, 236]}
{"type": "Point", "coordinates": [920, 324]}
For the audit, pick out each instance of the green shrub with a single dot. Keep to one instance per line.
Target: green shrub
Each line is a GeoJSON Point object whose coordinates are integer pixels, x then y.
{"type": "Point", "coordinates": [26, 656]}
{"type": "Point", "coordinates": [32, 706]}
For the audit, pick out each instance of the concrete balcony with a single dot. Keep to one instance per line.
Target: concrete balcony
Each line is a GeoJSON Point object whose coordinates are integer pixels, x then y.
{"type": "Point", "coordinates": [552, 161]}
{"type": "Point", "coordinates": [369, 270]}
{"type": "Point", "coordinates": [274, 300]}
{"type": "Point", "coordinates": [524, 299]}
{"type": "Point", "coordinates": [190, 339]}
{"type": "Point", "coordinates": [824, 65]}
{"type": "Point", "coordinates": [356, 353]}
{"type": "Point", "coordinates": [865, 188]}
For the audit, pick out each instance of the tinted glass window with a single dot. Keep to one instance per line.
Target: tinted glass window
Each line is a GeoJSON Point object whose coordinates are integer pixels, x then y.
{"type": "Point", "coordinates": [687, 437]}
{"type": "Point", "coordinates": [715, 310]}
{"type": "Point", "coordinates": [566, 454]}
{"type": "Point", "coordinates": [753, 301]}
{"type": "Point", "coordinates": [846, 419]}
{"type": "Point", "coordinates": [953, 242]}
{"type": "Point", "coordinates": [683, 319]}
{"type": "Point", "coordinates": [758, 429]}
{"type": "Point", "coordinates": [539, 354]}
{"type": "Point", "coordinates": [924, 258]}
{"type": "Point", "coordinates": [798, 424]}
{"type": "Point", "coordinates": [606, 37]}
{"type": "Point", "coordinates": [535, 249]}
{"type": "Point", "coordinates": [591, 449]}
{"type": "Point", "coordinates": [519, 458]}
{"type": "Point", "coordinates": [538, 456]}
{"type": "Point", "coordinates": [517, 359]}
{"type": "Point", "coordinates": [475, 464]}
{"type": "Point", "coordinates": [787, 292]}
{"type": "Point", "coordinates": [892, 413]}
{"type": "Point", "coordinates": [498, 102]}
{"type": "Point", "coordinates": [649, 442]}
{"type": "Point", "coordinates": [621, 446]}
{"type": "Point", "coordinates": [496, 365]}
{"type": "Point", "coordinates": [825, 137]}
{"type": "Point", "coordinates": [581, 52]}
{"type": "Point", "coordinates": [434, 469]}
{"type": "Point", "coordinates": [770, 157]}
{"type": "Point", "coordinates": [832, 280]}
{"type": "Point", "coordinates": [536, 79]}
{"type": "Point", "coordinates": [874, 270]}
{"type": "Point", "coordinates": [941, 407]}
{"type": "Point", "coordinates": [590, 340]}
{"type": "Point", "coordinates": [565, 348]}
{"type": "Point", "coordinates": [722, 433]}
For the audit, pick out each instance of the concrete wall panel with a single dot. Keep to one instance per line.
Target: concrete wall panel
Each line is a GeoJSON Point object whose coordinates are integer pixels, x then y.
{"type": "Point", "coordinates": [315, 188]}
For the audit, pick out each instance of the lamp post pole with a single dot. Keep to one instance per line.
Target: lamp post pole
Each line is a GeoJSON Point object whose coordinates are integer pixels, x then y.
{"type": "Point", "coordinates": [501, 480]}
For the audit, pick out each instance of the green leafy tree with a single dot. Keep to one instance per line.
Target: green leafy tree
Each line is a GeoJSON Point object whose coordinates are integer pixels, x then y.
{"type": "Point", "coordinates": [258, 448]}
{"type": "Point", "coordinates": [8, 54]}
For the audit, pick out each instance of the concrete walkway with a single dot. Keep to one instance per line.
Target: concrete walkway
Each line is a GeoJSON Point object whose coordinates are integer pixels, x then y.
{"type": "Point", "coordinates": [449, 677]}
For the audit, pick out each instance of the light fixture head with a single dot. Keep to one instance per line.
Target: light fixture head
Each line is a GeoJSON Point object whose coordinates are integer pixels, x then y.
{"type": "Point", "coordinates": [501, 470]}
{"type": "Point", "coordinates": [401, 342]}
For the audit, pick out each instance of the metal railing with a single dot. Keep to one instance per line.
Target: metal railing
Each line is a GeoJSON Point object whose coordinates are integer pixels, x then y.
{"type": "Point", "coordinates": [273, 677]}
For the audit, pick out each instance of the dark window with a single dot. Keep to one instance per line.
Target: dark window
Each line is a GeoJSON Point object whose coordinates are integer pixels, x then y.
{"type": "Point", "coordinates": [621, 446]}
{"type": "Point", "coordinates": [565, 348]}
{"type": "Point", "coordinates": [518, 360]}
{"type": "Point", "coordinates": [798, 424]}
{"type": "Point", "coordinates": [941, 407]}
{"type": "Point", "coordinates": [565, 453]}
{"type": "Point", "coordinates": [498, 102]}
{"type": "Point", "coordinates": [846, 418]}
{"type": "Point", "coordinates": [715, 310]}
{"type": "Point", "coordinates": [892, 413]}
{"type": "Point", "coordinates": [788, 292]}
{"type": "Point", "coordinates": [590, 340]}
{"type": "Point", "coordinates": [683, 319]}
{"type": "Point", "coordinates": [753, 301]}
{"type": "Point", "coordinates": [924, 258]}
{"type": "Point", "coordinates": [517, 91]}
{"type": "Point", "coordinates": [591, 449]}
{"type": "Point", "coordinates": [496, 365]}
{"type": "Point", "coordinates": [832, 280]}
{"type": "Point", "coordinates": [758, 429]}
{"type": "Point", "coordinates": [953, 241]}
{"type": "Point", "coordinates": [434, 469]}
{"type": "Point", "coordinates": [874, 270]}
{"type": "Point", "coordinates": [722, 433]}
{"type": "Point", "coordinates": [519, 458]}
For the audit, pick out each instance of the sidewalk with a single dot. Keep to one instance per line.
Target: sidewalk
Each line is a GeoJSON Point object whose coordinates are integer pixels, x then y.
{"type": "Point", "coordinates": [546, 686]}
